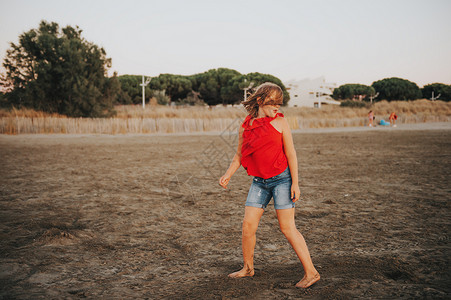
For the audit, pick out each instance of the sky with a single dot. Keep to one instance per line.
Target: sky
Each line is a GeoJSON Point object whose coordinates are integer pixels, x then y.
{"type": "Point", "coordinates": [346, 41]}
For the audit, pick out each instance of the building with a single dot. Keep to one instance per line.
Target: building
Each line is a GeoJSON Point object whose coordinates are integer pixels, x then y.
{"type": "Point", "coordinates": [310, 92]}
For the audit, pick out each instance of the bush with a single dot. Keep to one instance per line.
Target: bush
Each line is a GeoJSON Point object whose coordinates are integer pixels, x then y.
{"type": "Point", "coordinates": [161, 97]}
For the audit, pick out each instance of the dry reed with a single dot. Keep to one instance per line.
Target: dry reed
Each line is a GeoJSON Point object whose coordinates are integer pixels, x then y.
{"type": "Point", "coordinates": [164, 119]}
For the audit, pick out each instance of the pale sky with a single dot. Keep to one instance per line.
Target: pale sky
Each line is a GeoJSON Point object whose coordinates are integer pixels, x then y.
{"type": "Point", "coordinates": [347, 41]}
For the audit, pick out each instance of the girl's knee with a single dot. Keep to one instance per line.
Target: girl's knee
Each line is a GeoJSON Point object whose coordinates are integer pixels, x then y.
{"type": "Point", "coordinates": [249, 228]}
{"type": "Point", "coordinates": [288, 229]}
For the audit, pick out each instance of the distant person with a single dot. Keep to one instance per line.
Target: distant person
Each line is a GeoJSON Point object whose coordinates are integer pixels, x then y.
{"type": "Point", "coordinates": [371, 118]}
{"type": "Point", "coordinates": [266, 151]}
{"type": "Point", "coordinates": [393, 117]}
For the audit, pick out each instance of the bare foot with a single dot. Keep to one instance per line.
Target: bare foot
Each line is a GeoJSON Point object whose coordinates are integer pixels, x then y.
{"type": "Point", "coordinates": [308, 281]}
{"type": "Point", "coordinates": [244, 272]}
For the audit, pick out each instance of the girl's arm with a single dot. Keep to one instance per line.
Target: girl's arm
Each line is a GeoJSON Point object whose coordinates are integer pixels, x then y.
{"type": "Point", "coordinates": [290, 152]}
{"type": "Point", "coordinates": [235, 164]}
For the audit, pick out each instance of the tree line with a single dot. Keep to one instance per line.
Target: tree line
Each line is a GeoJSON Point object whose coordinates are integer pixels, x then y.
{"type": "Point", "coordinates": [213, 87]}
{"type": "Point", "coordinates": [392, 89]}
{"type": "Point", "coordinates": [56, 70]}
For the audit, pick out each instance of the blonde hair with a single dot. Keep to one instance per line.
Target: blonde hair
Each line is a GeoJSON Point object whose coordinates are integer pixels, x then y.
{"type": "Point", "coordinates": [264, 90]}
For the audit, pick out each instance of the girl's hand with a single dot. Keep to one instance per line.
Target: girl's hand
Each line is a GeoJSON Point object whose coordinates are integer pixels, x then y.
{"type": "Point", "coordinates": [224, 181]}
{"type": "Point", "coordinates": [295, 192]}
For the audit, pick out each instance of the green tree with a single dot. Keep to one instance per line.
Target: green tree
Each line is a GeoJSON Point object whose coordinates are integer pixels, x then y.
{"type": "Point", "coordinates": [259, 78]}
{"type": "Point", "coordinates": [112, 89]}
{"type": "Point", "coordinates": [348, 91]}
{"type": "Point", "coordinates": [233, 92]}
{"type": "Point", "coordinates": [396, 89]}
{"type": "Point", "coordinates": [211, 84]}
{"type": "Point", "coordinates": [439, 89]}
{"type": "Point", "coordinates": [176, 87]}
{"type": "Point", "coordinates": [131, 90]}
{"type": "Point", "coordinates": [57, 70]}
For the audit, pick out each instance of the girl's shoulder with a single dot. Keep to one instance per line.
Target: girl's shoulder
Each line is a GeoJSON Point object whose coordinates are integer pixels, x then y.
{"type": "Point", "coordinates": [279, 122]}
{"type": "Point", "coordinates": [279, 118]}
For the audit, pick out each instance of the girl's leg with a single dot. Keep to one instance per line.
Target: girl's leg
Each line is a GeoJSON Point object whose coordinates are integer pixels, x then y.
{"type": "Point", "coordinates": [288, 228]}
{"type": "Point", "coordinates": [252, 217]}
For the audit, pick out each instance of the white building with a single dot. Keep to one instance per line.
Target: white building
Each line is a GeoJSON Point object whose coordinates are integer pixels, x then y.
{"type": "Point", "coordinates": [310, 92]}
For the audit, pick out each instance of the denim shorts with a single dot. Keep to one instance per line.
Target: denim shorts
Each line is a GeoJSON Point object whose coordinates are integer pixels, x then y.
{"type": "Point", "coordinates": [277, 187]}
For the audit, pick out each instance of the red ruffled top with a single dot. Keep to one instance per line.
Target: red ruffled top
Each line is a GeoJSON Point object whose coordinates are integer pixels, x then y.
{"type": "Point", "coordinates": [262, 152]}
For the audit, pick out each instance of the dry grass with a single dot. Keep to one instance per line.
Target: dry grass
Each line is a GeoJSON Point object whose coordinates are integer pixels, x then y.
{"type": "Point", "coordinates": [179, 112]}
{"type": "Point", "coordinates": [27, 113]}
{"type": "Point", "coordinates": [164, 119]}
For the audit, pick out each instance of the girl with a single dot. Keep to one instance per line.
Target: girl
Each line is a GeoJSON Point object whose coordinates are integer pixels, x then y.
{"type": "Point", "coordinates": [393, 117]}
{"type": "Point", "coordinates": [266, 151]}
{"type": "Point", "coordinates": [370, 118]}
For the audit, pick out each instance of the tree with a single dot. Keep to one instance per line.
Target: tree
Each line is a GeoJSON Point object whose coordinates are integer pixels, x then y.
{"type": "Point", "coordinates": [233, 92]}
{"type": "Point", "coordinates": [57, 70]}
{"type": "Point", "coordinates": [131, 90]}
{"type": "Point", "coordinates": [259, 78]}
{"type": "Point", "coordinates": [176, 87]}
{"type": "Point", "coordinates": [350, 91]}
{"type": "Point", "coordinates": [396, 89]}
{"type": "Point", "coordinates": [210, 84]}
{"type": "Point", "coordinates": [439, 89]}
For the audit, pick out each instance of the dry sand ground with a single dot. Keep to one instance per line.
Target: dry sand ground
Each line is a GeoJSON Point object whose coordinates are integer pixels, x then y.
{"type": "Point", "coordinates": [136, 217]}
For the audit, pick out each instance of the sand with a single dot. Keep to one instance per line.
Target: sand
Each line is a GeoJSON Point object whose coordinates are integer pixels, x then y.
{"type": "Point", "coordinates": [142, 216]}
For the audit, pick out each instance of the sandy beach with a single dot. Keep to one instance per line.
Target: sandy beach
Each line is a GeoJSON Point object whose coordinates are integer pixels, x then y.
{"type": "Point", "coordinates": [142, 216]}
